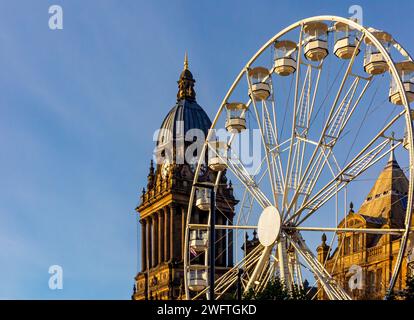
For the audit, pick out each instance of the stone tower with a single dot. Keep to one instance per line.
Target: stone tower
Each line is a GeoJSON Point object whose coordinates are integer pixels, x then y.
{"type": "Point", "coordinates": [164, 203]}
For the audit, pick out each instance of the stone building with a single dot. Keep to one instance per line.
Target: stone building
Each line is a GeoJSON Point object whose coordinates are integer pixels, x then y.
{"type": "Point", "coordinates": [164, 202]}
{"type": "Point", "coordinates": [372, 255]}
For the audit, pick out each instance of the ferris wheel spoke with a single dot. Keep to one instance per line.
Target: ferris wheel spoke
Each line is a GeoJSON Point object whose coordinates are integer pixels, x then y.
{"type": "Point", "coordinates": [355, 230]}
{"type": "Point", "coordinates": [237, 168]}
{"type": "Point", "coordinates": [331, 287]}
{"type": "Point", "coordinates": [339, 115]}
{"type": "Point", "coordinates": [259, 267]}
{"type": "Point", "coordinates": [267, 138]}
{"type": "Point", "coordinates": [274, 148]}
{"type": "Point", "coordinates": [335, 127]}
{"type": "Point", "coordinates": [307, 99]}
{"type": "Point", "coordinates": [241, 215]}
{"type": "Point", "coordinates": [302, 123]}
{"type": "Point", "coordinates": [346, 176]}
{"type": "Point", "coordinates": [271, 142]}
{"type": "Point", "coordinates": [325, 151]}
{"type": "Point", "coordinates": [229, 278]}
{"type": "Point", "coordinates": [242, 174]}
{"type": "Point", "coordinates": [265, 276]}
{"type": "Point", "coordinates": [292, 136]}
{"type": "Point", "coordinates": [367, 157]}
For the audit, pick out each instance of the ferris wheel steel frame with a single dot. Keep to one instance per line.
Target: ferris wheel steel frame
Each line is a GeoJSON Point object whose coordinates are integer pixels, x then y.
{"type": "Point", "coordinates": [255, 258]}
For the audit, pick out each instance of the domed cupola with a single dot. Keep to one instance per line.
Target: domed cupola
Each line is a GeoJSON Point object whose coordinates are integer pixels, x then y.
{"type": "Point", "coordinates": [186, 115]}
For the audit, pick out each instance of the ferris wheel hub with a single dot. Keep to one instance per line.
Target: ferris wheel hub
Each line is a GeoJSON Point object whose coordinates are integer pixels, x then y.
{"type": "Point", "coordinates": [268, 228]}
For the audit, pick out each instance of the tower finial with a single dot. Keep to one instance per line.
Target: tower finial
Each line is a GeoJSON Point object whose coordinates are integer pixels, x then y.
{"type": "Point", "coordinates": [186, 61]}
{"type": "Point", "coordinates": [323, 238]}
{"type": "Point", "coordinates": [186, 83]}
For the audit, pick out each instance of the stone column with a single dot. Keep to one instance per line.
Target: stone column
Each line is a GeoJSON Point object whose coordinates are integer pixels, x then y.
{"type": "Point", "coordinates": [149, 242]}
{"type": "Point", "coordinates": [153, 242]}
{"type": "Point", "coordinates": [171, 227]}
{"type": "Point", "coordinates": [170, 232]}
{"type": "Point", "coordinates": [183, 224]}
{"type": "Point", "coordinates": [160, 236]}
{"type": "Point", "coordinates": [143, 245]}
{"type": "Point", "coordinates": [156, 242]}
{"type": "Point", "coordinates": [176, 232]}
{"type": "Point", "coordinates": [166, 234]}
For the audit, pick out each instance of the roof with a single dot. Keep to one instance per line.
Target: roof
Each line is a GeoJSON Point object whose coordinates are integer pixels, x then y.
{"type": "Point", "coordinates": [385, 204]}
{"type": "Point", "coordinates": [184, 116]}
{"type": "Point", "coordinates": [387, 198]}
{"type": "Point", "coordinates": [374, 220]}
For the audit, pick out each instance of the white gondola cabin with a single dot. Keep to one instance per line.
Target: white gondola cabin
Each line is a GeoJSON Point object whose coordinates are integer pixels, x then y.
{"type": "Point", "coordinates": [316, 41]}
{"type": "Point", "coordinates": [236, 116]}
{"type": "Point", "coordinates": [406, 71]}
{"type": "Point", "coordinates": [217, 160]}
{"type": "Point", "coordinates": [374, 62]}
{"type": "Point", "coordinates": [203, 199]}
{"type": "Point", "coordinates": [260, 83]}
{"type": "Point", "coordinates": [346, 40]}
{"type": "Point", "coordinates": [406, 142]}
{"type": "Point", "coordinates": [199, 240]}
{"type": "Point", "coordinates": [197, 279]}
{"type": "Point", "coordinates": [285, 57]}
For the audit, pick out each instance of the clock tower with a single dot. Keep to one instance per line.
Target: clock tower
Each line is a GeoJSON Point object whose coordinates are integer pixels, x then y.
{"type": "Point", "coordinates": [164, 202]}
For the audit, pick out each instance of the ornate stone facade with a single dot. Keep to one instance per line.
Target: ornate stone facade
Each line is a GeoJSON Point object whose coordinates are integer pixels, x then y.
{"type": "Point", "coordinates": [164, 203]}
{"type": "Point", "coordinates": [372, 254]}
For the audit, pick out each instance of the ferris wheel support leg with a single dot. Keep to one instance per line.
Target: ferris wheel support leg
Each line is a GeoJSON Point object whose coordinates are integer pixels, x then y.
{"type": "Point", "coordinates": [300, 276]}
{"type": "Point", "coordinates": [264, 259]}
{"type": "Point", "coordinates": [299, 282]}
{"type": "Point", "coordinates": [283, 262]}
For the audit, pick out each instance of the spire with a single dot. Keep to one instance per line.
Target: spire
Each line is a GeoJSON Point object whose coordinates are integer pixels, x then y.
{"type": "Point", "coordinates": [151, 176]}
{"type": "Point", "coordinates": [392, 162]}
{"type": "Point", "coordinates": [186, 61]}
{"type": "Point", "coordinates": [323, 239]}
{"type": "Point", "coordinates": [186, 83]}
{"type": "Point", "coordinates": [387, 191]}
{"type": "Point", "coordinates": [392, 156]}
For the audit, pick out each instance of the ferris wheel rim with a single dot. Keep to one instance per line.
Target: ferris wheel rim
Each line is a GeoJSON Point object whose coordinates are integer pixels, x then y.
{"type": "Point", "coordinates": [409, 125]}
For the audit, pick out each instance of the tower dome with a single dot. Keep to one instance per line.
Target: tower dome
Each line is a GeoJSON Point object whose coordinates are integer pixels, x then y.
{"type": "Point", "coordinates": [186, 115]}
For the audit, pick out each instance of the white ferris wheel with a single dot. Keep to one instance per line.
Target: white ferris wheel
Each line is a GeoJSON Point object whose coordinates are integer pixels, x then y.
{"type": "Point", "coordinates": [330, 100]}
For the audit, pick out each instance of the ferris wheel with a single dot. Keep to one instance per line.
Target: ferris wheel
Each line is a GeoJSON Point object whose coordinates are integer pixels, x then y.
{"type": "Point", "coordinates": [329, 100]}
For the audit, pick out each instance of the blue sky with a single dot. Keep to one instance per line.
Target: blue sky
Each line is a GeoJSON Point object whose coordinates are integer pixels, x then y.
{"type": "Point", "coordinates": [78, 108]}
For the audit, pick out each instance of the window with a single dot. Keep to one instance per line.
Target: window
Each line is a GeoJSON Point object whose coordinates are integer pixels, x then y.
{"type": "Point", "coordinates": [370, 281]}
{"type": "Point", "coordinates": [379, 280]}
{"type": "Point", "coordinates": [347, 245]}
{"type": "Point", "coordinates": [356, 242]}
